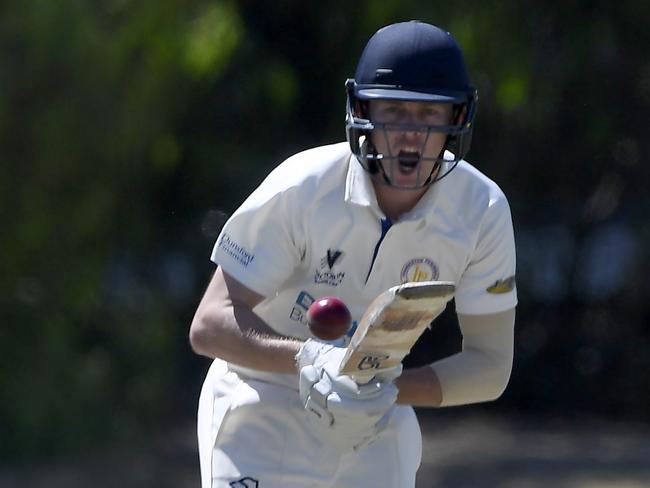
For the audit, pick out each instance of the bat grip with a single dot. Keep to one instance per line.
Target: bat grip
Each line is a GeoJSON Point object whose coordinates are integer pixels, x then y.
{"type": "Point", "coordinates": [363, 378]}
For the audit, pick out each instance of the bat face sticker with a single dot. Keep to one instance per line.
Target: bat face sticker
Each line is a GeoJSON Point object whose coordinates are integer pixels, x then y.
{"type": "Point", "coordinates": [391, 325]}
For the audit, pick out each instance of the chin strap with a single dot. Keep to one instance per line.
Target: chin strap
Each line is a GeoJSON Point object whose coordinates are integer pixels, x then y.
{"type": "Point", "coordinates": [436, 167]}
{"type": "Point", "coordinates": [374, 166]}
{"type": "Point", "coordinates": [384, 175]}
{"type": "Point", "coordinates": [366, 147]}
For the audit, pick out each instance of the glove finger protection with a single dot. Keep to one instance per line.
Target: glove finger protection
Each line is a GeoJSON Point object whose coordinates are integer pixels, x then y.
{"type": "Point", "coordinates": [343, 413]}
{"type": "Point", "coordinates": [318, 353]}
{"type": "Point", "coordinates": [313, 398]}
{"type": "Point", "coordinates": [370, 403]}
{"type": "Point", "coordinates": [347, 418]}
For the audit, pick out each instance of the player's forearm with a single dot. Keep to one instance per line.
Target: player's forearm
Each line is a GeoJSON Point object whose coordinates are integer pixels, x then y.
{"type": "Point", "coordinates": [237, 335]}
{"type": "Point", "coordinates": [472, 376]}
{"type": "Point", "coordinates": [419, 387]}
{"type": "Point", "coordinates": [481, 372]}
{"type": "Point", "coordinates": [467, 377]}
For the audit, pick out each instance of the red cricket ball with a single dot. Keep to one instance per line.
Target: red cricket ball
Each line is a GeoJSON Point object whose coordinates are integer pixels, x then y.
{"type": "Point", "coordinates": [328, 318]}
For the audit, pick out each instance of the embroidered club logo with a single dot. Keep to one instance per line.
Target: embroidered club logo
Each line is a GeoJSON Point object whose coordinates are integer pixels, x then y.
{"type": "Point", "coordinates": [502, 286]}
{"type": "Point", "coordinates": [419, 269]}
{"type": "Point", "coordinates": [326, 274]}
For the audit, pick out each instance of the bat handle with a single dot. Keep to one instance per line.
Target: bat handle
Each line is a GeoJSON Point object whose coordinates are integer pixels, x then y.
{"type": "Point", "coordinates": [385, 375]}
{"type": "Point", "coordinates": [362, 378]}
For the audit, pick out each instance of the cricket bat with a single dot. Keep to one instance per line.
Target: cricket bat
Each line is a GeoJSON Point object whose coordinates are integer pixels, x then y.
{"type": "Point", "coordinates": [391, 325]}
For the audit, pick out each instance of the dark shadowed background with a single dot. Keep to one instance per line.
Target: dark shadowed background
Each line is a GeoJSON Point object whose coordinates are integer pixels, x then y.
{"type": "Point", "coordinates": [130, 130]}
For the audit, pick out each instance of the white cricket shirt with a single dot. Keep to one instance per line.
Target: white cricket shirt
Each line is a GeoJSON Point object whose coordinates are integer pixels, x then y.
{"type": "Point", "coordinates": [313, 228]}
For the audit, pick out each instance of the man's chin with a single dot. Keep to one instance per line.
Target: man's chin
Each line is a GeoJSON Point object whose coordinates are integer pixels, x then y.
{"type": "Point", "coordinates": [400, 182]}
{"type": "Point", "coordinates": [413, 177]}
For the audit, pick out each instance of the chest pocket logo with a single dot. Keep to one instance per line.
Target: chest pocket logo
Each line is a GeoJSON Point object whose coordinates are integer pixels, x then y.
{"type": "Point", "coordinates": [419, 269]}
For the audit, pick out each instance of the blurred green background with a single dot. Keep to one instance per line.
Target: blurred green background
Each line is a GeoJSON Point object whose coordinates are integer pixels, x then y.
{"type": "Point", "coordinates": [130, 130]}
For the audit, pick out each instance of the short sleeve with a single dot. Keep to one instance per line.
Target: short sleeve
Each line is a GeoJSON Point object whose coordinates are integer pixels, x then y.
{"type": "Point", "coordinates": [260, 245]}
{"type": "Point", "coordinates": [488, 283]}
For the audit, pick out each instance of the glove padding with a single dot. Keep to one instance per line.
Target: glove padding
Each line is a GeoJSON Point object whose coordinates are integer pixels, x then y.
{"type": "Point", "coordinates": [343, 413]}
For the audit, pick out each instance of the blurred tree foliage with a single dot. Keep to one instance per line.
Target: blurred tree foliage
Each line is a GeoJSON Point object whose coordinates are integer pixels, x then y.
{"type": "Point", "coordinates": [129, 130]}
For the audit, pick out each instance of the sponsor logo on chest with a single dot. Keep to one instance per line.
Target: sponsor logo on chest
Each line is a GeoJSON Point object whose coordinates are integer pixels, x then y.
{"type": "Point", "coordinates": [300, 307]}
{"type": "Point", "coordinates": [299, 314]}
{"type": "Point", "coordinates": [326, 274]}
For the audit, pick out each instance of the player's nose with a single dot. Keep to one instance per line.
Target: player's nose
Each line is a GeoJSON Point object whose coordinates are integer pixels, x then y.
{"type": "Point", "coordinates": [411, 137]}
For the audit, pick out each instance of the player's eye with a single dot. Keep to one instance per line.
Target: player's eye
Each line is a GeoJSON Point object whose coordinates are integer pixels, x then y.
{"type": "Point", "coordinates": [387, 114]}
{"type": "Point", "coordinates": [434, 116]}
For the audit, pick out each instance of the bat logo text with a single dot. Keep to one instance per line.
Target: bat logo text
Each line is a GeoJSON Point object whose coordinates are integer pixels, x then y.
{"type": "Point", "coordinates": [371, 362]}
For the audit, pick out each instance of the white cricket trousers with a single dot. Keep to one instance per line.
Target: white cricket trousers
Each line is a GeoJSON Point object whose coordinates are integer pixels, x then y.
{"type": "Point", "coordinates": [254, 434]}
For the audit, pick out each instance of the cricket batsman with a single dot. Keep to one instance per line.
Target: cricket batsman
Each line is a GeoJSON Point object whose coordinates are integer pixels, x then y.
{"type": "Point", "coordinates": [396, 203]}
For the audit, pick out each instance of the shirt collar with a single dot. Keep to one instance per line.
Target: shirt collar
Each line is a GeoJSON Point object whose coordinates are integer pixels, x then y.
{"type": "Point", "coordinates": [360, 191]}
{"type": "Point", "coordinates": [358, 186]}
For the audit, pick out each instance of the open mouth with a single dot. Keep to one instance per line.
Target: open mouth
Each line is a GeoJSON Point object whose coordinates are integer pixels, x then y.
{"type": "Point", "coordinates": [408, 161]}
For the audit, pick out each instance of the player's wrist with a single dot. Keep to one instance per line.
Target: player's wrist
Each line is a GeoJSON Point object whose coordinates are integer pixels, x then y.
{"type": "Point", "coordinates": [419, 387]}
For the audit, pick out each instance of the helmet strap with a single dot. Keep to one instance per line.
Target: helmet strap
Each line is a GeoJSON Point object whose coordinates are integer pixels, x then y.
{"type": "Point", "coordinates": [369, 148]}
{"type": "Point", "coordinates": [435, 170]}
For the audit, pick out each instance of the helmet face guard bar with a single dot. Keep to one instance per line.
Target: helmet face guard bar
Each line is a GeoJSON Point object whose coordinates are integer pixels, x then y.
{"type": "Point", "coordinates": [361, 132]}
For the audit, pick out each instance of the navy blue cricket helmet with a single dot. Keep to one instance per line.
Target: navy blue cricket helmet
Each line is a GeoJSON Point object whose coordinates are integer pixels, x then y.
{"type": "Point", "coordinates": [415, 62]}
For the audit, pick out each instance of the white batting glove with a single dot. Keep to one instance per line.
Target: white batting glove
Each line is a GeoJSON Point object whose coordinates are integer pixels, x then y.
{"type": "Point", "coordinates": [343, 413]}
